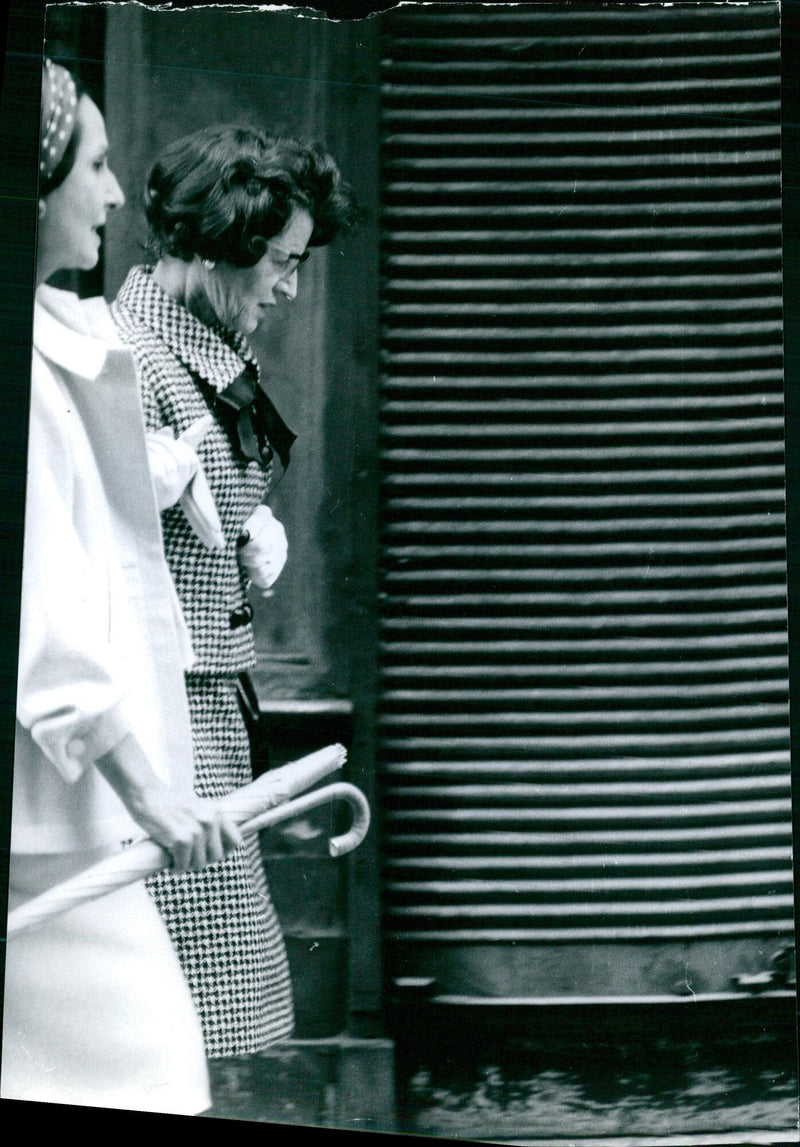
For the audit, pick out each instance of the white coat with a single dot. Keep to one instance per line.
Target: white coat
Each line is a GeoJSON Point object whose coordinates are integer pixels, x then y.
{"type": "Point", "coordinates": [103, 645]}
{"type": "Point", "coordinates": [96, 1008]}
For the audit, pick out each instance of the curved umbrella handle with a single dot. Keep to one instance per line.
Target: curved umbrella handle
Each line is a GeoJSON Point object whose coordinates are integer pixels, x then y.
{"type": "Point", "coordinates": [339, 790]}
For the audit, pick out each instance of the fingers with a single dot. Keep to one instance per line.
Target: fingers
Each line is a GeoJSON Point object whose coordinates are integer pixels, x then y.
{"type": "Point", "coordinates": [181, 853]}
{"type": "Point", "coordinates": [213, 843]}
{"type": "Point", "coordinates": [212, 837]}
{"type": "Point", "coordinates": [231, 836]}
{"type": "Point", "coordinates": [261, 568]}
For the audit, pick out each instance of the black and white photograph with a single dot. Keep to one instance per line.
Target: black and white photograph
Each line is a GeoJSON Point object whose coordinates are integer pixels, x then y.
{"type": "Point", "coordinates": [400, 481]}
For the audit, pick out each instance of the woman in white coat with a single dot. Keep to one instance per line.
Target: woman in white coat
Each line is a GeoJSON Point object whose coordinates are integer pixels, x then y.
{"type": "Point", "coordinates": [96, 1008]}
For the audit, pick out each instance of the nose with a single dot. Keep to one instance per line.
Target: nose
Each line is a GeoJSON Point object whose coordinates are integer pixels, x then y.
{"type": "Point", "coordinates": [288, 286]}
{"type": "Point", "coordinates": [115, 197]}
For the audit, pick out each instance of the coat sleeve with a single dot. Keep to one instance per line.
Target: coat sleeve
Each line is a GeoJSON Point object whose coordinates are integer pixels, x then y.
{"type": "Point", "coordinates": [147, 371]}
{"type": "Point", "coordinates": [69, 696]}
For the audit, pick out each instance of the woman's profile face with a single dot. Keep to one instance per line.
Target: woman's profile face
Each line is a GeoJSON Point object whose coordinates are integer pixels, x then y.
{"type": "Point", "coordinates": [77, 208]}
{"type": "Point", "coordinates": [239, 297]}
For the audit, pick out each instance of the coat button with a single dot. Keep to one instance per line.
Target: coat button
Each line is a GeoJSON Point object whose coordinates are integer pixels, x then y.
{"type": "Point", "coordinates": [242, 616]}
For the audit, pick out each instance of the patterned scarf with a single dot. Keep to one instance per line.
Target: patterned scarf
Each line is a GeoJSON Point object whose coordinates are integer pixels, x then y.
{"type": "Point", "coordinates": [59, 108]}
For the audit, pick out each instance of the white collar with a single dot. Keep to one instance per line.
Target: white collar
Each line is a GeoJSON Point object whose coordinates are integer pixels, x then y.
{"type": "Point", "coordinates": [61, 333]}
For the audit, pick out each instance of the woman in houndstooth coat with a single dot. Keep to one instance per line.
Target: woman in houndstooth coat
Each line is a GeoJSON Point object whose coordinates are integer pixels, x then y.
{"type": "Point", "coordinates": [232, 215]}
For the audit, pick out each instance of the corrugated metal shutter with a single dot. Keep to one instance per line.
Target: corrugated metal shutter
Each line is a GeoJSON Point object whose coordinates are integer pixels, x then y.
{"type": "Point", "coordinates": [583, 720]}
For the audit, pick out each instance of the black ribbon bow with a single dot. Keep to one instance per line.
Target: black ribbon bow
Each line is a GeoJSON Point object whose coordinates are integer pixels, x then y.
{"type": "Point", "coordinates": [250, 419]}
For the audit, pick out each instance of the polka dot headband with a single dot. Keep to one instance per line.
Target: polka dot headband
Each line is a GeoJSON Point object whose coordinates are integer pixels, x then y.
{"type": "Point", "coordinates": [59, 107]}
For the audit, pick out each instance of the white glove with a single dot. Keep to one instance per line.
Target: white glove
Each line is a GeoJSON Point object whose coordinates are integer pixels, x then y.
{"type": "Point", "coordinates": [178, 477]}
{"type": "Point", "coordinates": [263, 548]}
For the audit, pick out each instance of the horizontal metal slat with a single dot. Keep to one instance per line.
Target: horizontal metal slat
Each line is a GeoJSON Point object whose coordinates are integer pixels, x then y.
{"type": "Point", "coordinates": [656, 290]}
{"type": "Point", "coordinates": [403, 581]}
{"type": "Point", "coordinates": [636, 63]}
{"type": "Point", "coordinates": [419, 605]}
{"type": "Point", "coordinates": [519, 494]}
{"type": "Point", "coordinates": [538, 334]}
{"type": "Point", "coordinates": [576, 792]}
{"type": "Point", "coordinates": [630, 817]}
{"type": "Point", "coordinates": [615, 583]}
{"type": "Point", "coordinates": [431, 694]}
{"type": "Point", "coordinates": [770, 905]}
{"type": "Point", "coordinates": [536, 704]}
{"type": "Point", "coordinates": [566, 865]}
{"type": "Point", "coordinates": [595, 887]}
{"type": "Point", "coordinates": [596, 359]}
{"type": "Point", "coordinates": [492, 840]}
{"type": "Point", "coordinates": [626, 769]}
{"type": "Point", "coordinates": [569, 619]}
{"type": "Point", "coordinates": [625, 520]}
{"type": "Point", "coordinates": [673, 87]}
{"type": "Point", "coordinates": [467, 672]}
{"type": "Point", "coordinates": [519, 218]}
{"type": "Point", "coordinates": [500, 162]}
{"type": "Point", "coordinates": [545, 733]}
{"type": "Point", "coordinates": [550, 481]}
{"type": "Point", "coordinates": [544, 436]}
{"type": "Point", "coordinates": [742, 133]}
{"type": "Point", "coordinates": [713, 184]}
{"type": "Point", "coordinates": [722, 110]}
{"type": "Point", "coordinates": [643, 742]}
{"type": "Point", "coordinates": [684, 479]}
{"type": "Point", "coordinates": [404, 568]}
{"type": "Point", "coordinates": [584, 457]}
{"type": "Point", "coordinates": [709, 549]}
{"type": "Point", "coordinates": [679, 500]}
{"type": "Point", "coordinates": [532, 720]}
{"type": "Point", "coordinates": [685, 622]}
{"type": "Point", "coordinates": [410, 732]}
{"type": "Point", "coordinates": [607, 670]}
{"type": "Point", "coordinates": [599, 934]}
{"type": "Point", "coordinates": [411, 407]}
{"type": "Point", "coordinates": [535, 311]}
{"type": "Point", "coordinates": [586, 260]}
{"type": "Point", "coordinates": [747, 859]}
{"type": "Point", "coordinates": [515, 540]}
{"type": "Point", "coordinates": [581, 650]}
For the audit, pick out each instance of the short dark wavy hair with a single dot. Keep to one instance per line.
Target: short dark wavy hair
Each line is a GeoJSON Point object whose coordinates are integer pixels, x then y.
{"type": "Point", "coordinates": [222, 192]}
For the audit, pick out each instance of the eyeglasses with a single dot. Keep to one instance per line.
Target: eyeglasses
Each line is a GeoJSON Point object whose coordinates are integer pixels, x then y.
{"type": "Point", "coordinates": [284, 262]}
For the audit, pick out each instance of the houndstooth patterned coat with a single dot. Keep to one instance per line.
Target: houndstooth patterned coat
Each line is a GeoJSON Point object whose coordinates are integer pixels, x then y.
{"type": "Point", "coordinates": [180, 361]}
{"type": "Point", "coordinates": [221, 920]}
